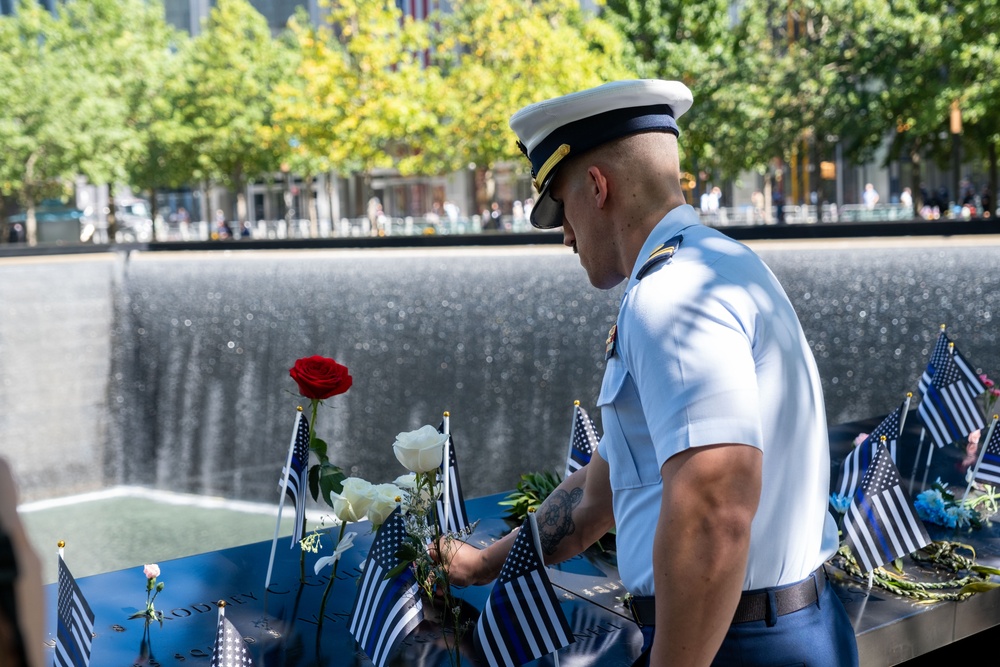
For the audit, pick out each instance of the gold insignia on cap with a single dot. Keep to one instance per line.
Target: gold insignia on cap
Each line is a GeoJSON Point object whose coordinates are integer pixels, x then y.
{"type": "Point", "coordinates": [550, 164]}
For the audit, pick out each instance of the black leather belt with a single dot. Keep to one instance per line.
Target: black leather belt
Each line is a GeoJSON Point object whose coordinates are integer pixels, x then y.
{"type": "Point", "coordinates": [753, 606]}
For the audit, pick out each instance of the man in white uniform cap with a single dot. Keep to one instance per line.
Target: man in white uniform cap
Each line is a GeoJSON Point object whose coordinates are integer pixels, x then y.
{"type": "Point", "coordinates": [714, 464]}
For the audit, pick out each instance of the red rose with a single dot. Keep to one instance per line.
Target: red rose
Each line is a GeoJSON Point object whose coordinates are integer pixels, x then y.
{"type": "Point", "coordinates": [320, 377]}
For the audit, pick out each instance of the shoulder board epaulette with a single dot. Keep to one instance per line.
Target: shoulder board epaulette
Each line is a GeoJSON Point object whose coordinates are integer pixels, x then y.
{"type": "Point", "coordinates": [661, 253]}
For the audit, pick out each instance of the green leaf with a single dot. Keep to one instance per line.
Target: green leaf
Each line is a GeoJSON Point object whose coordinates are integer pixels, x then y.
{"type": "Point", "coordinates": [396, 571]}
{"type": "Point", "coordinates": [318, 447]}
{"type": "Point", "coordinates": [978, 587]}
{"type": "Point", "coordinates": [330, 479]}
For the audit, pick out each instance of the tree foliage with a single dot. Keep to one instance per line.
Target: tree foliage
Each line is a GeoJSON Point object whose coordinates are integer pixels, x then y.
{"type": "Point", "coordinates": [361, 98]}
{"type": "Point", "coordinates": [497, 56]}
{"type": "Point", "coordinates": [223, 96]}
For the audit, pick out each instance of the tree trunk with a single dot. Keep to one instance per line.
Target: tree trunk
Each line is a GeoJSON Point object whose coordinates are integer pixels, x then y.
{"type": "Point", "coordinates": [309, 182]}
{"type": "Point", "coordinates": [152, 212]}
{"type": "Point", "coordinates": [241, 207]}
{"type": "Point", "coordinates": [993, 176]}
{"type": "Point", "coordinates": [112, 214]}
{"type": "Point", "coordinates": [30, 223]}
{"type": "Point", "coordinates": [915, 190]}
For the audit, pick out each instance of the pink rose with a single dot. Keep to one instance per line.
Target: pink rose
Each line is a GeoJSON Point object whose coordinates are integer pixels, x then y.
{"type": "Point", "coordinates": [152, 571]}
{"type": "Point", "coordinates": [973, 442]}
{"type": "Point", "coordinates": [860, 439]}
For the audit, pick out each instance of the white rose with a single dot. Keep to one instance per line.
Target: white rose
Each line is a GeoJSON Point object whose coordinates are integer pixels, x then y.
{"type": "Point", "coordinates": [353, 503]}
{"type": "Point", "coordinates": [421, 450]}
{"type": "Point", "coordinates": [407, 482]}
{"type": "Point", "coordinates": [385, 498]}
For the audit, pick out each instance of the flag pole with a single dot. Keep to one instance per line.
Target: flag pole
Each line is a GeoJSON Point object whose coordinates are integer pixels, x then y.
{"type": "Point", "coordinates": [281, 501]}
{"type": "Point", "coordinates": [541, 555]}
{"type": "Point", "coordinates": [906, 409]}
{"type": "Point", "coordinates": [61, 546]}
{"type": "Point", "coordinates": [916, 458]}
{"type": "Point", "coordinates": [979, 459]}
{"type": "Point", "coordinates": [446, 421]}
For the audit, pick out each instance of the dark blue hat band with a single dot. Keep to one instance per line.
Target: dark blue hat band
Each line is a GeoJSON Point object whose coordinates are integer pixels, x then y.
{"type": "Point", "coordinates": [587, 133]}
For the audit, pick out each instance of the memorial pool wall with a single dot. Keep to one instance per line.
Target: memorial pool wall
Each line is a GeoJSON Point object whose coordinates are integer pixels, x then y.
{"type": "Point", "coordinates": [170, 370]}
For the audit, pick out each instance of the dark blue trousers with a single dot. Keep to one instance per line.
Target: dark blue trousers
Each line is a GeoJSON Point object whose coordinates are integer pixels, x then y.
{"type": "Point", "coordinates": [819, 635]}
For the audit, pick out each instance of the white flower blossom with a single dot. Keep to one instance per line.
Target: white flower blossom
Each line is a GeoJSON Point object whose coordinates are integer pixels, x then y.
{"type": "Point", "coordinates": [421, 450]}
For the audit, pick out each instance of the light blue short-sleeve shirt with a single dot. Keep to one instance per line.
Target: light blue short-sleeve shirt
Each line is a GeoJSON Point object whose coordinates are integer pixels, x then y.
{"type": "Point", "coordinates": [708, 350]}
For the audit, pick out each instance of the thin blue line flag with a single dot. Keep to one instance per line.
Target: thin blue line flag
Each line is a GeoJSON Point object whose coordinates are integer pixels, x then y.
{"type": "Point", "coordinates": [522, 620]}
{"type": "Point", "coordinates": [298, 475]}
{"type": "Point", "coordinates": [75, 623]}
{"type": "Point", "coordinates": [949, 410]}
{"type": "Point", "coordinates": [453, 517]}
{"type": "Point", "coordinates": [880, 523]}
{"type": "Point", "coordinates": [582, 442]}
{"type": "Point", "coordinates": [386, 609]}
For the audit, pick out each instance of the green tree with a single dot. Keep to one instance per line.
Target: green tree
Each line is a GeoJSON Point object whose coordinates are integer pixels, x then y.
{"type": "Point", "coordinates": [55, 120]}
{"type": "Point", "coordinates": [497, 56]}
{"type": "Point", "coordinates": [361, 98]}
{"type": "Point", "coordinates": [130, 44]}
{"type": "Point", "coordinates": [500, 55]}
{"type": "Point", "coordinates": [222, 97]}
{"type": "Point", "coordinates": [725, 62]}
{"type": "Point", "coordinates": [971, 33]}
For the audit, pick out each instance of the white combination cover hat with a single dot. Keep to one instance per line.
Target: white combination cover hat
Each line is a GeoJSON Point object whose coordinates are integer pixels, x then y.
{"type": "Point", "coordinates": [570, 125]}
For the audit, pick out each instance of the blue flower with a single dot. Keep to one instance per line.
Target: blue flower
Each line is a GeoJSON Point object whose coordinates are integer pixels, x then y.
{"type": "Point", "coordinates": [840, 503]}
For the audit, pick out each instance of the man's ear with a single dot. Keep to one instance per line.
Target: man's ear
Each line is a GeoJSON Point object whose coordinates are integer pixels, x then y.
{"type": "Point", "coordinates": [599, 185]}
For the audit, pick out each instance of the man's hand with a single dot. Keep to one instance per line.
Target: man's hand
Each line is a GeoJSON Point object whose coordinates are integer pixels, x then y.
{"type": "Point", "coordinates": [468, 565]}
{"type": "Point", "coordinates": [710, 496]}
{"type": "Point", "coordinates": [572, 518]}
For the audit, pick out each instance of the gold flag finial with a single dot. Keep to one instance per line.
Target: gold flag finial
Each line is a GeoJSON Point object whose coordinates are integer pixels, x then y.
{"type": "Point", "coordinates": [61, 544]}
{"type": "Point", "coordinates": [531, 510]}
{"type": "Point", "coordinates": [942, 327]}
{"type": "Point", "coordinates": [909, 394]}
{"type": "Point", "coordinates": [299, 408]}
{"type": "Point", "coordinates": [576, 404]}
{"type": "Point", "coordinates": [221, 603]}
{"type": "Point", "coordinates": [447, 414]}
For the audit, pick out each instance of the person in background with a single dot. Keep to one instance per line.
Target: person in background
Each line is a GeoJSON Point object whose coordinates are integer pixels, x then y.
{"type": "Point", "coordinates": [870, 196]}
{"type": "Point", "coordinates": [906, 199]}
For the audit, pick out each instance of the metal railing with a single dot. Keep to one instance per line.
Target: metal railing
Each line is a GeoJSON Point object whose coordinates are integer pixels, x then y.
{"type": "Point", "coordinates": [743, 216]}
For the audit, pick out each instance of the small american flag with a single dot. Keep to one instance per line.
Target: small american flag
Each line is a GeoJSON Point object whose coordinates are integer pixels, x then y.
{"type": "Point", "coordinates": [582, 442]}
{"type": "Point", "coordinates": [988, 471]}
{"type": "Point", "coordinates": [385, 610]}
{"type": "Point", "coordinates": [938, 356]}
{"type": "Point", "coordinates": [452, 516]}
{"type": "Point", "coordinates": [880, 523]}
{"type": "Point", "coordinates": [75, 629]}
{"type": "Point", "coordinates": [297, 474]}
{"type": "Point", "coordinates": [522, 620]}
{"type": "Point", "coordinates": [856, 463]}
{"type": "Point", "coordinates": [948, 409]}
{"type": "Point", "coordinates": [230, 649]}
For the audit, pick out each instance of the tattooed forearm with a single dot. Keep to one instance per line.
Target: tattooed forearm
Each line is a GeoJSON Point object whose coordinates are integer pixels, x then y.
{"type": "Point", "coordinates": [555, 518]}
